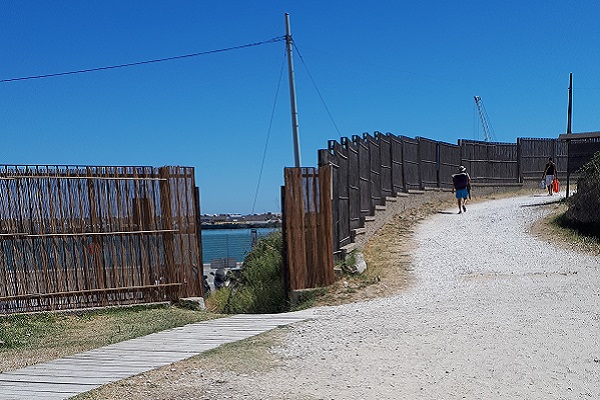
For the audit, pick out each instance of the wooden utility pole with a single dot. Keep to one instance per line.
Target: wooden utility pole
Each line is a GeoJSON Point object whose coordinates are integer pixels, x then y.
{"type": "Point", "coordinates": [569, 116]}
{"type": "Point", "coordinates": [570, 110]}
{"type": "Point", "coordinates": [288, 42]}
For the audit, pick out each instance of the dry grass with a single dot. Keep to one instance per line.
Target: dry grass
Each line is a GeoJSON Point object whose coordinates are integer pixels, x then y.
{"type": "Point", "coordinates": [35, 338]}
{"type": "Point", "coordinates": [551, 230]}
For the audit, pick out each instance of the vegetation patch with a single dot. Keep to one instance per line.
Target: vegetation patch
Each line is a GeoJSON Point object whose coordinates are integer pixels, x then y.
{"type": "Point", "coordinates": [583, 236]}
{"type": "Point", "coordinates": [585, 231]}
{"type": "Point", "coordinates": [584, 206]}
{"type": "Point", "coordinates": [250, 355]}
{"type": "Point", "coordinates": [562, 232]}
{"type": "Point", "coordinates": [260, 287]}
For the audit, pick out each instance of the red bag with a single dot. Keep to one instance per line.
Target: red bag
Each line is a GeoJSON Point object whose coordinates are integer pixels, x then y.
{"type": "Point", "coordinates": [555, 186]}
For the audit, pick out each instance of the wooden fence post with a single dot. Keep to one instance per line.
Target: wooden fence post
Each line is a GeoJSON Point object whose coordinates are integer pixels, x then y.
{"type": "Point", "coordinates": [294, 221]}
{"type": "Point", "coordinates": [97, 242]}
{"type": "Point", "coordinates": [437, 164]}
{"type": "Point", "coordinates": [420, 165]}
{"type": "Point", "coordinates": [308, 227]}
{"type": "Point", "coordinates": [198, 231]}
{"type": "Point", "coordinates": [325, 223]}
{"type": "Point", "coordinates": [166, 212]}
{"type": "Point", "coordinates": [285, 256]}
{"type": "Point", "coordinates": [519, 161]}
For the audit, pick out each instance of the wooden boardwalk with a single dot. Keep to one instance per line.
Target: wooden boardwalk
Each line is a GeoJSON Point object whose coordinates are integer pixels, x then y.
{"type": "Point", "coordinates": [69, 376]}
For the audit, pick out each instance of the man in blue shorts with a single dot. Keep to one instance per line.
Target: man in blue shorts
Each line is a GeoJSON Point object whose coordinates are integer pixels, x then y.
{"type": "Point", "coordinates": [461, 181]}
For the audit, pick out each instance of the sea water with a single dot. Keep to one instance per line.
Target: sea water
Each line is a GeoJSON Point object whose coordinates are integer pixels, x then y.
{"type": "Point", "coordinates": [229, 243]}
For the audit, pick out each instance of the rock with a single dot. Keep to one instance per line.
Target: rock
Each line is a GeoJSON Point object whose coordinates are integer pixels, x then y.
{"type": "Point", "coordinates": [361, 264]}
{"type": "Point", "coordinates": [193, 303]}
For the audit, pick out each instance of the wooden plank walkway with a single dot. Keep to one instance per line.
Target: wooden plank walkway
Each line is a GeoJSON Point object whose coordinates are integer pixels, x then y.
{"type": "Point", "coordinates": [69, 376]}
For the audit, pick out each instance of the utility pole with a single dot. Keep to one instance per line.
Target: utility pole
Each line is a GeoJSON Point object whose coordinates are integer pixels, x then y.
{"type": "Point", "coordinates": [288, 43]}
{"type": "Point", "coordinates": [570, 110]}
{"type": "Point", "coordinates": [569, 121]}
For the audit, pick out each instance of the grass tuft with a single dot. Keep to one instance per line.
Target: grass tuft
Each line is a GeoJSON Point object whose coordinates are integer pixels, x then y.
{"type": "Point", "coordinates": [586, 233]}
{"type": "Point", "coordinates": [26, 339]}
{"type": "Point", "coordinates": [260, 287]}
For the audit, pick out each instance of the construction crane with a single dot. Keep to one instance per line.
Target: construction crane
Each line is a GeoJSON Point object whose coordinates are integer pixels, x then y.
{"type": "Point", "coordinates": [488, 132]}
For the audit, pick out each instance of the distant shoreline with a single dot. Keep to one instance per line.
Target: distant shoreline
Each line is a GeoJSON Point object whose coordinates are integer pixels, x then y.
{"type": "Point", "coordinates": [241, 225]}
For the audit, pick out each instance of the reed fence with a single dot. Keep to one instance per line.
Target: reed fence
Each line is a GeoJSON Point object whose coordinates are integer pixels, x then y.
{"type": "Point", "coordinates": [86, 236]}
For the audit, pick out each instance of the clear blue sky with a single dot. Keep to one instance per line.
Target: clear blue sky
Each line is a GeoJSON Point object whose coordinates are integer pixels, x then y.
{"type": "Point", "coordinates": [409, 68]}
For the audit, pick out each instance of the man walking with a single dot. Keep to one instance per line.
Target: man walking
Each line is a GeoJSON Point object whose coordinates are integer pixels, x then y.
{"type": "Point", "coordinates": [461, 182]}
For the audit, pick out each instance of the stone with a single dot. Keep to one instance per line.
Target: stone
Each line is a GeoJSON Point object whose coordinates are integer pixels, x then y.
{"type": "Point", "coordinates": [193, 303]}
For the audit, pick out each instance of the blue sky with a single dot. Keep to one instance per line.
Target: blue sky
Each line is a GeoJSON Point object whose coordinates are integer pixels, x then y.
{"type": "Point", "coordinates": [409, 68]}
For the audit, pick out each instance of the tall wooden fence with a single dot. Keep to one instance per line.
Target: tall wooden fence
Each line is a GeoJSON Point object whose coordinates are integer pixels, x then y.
{"type": "Point", "coordinates": [370, 168]}
{"type": "Point", "coordinates": [534, 153]}
{"type": "Point", "coordinates": [306, 199]}
{"type": "Point", "coordinates": [74, 237]}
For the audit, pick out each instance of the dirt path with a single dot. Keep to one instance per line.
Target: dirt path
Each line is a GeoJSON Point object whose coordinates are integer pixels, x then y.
{"type": "Point", "coordinates": [490, 311]}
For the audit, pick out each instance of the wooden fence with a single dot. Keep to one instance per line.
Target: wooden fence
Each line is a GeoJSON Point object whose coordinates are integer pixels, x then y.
{"type": "Point", "coordinates": [534, 153]}
{"type": "Point", "coordinates": [75, 237]}
{"type": "Point", "coordinates": [306, 199]}
{"type": "Point", "coordinates": [370, 168]}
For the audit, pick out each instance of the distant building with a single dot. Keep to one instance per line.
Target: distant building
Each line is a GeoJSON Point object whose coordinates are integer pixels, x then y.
{"type": "Point", "coordinates": [235, 218]}
{"type": "Point", "coordinates": [262, 217]}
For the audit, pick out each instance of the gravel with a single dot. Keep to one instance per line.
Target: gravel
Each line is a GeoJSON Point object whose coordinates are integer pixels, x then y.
{"type": "Point", "coordinates": [494, 313]}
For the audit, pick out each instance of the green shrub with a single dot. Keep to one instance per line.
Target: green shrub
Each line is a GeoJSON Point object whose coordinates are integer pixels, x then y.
{"type": "Point", "coordinates": [260, 287]}
{"type": "Point", "coordinates": [584, 206]}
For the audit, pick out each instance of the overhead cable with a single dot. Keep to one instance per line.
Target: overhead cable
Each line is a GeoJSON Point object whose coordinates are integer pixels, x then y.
{"type": "Point", "coordinates": [81, 71]}
{"type": "Point", "coordinates": [262, 163]}
{"type": "Point", "coordinates": [318, 91]}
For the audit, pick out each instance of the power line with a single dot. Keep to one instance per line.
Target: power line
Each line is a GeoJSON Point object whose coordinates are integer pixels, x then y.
{"type": "Point", "coordinates": [318, 91]}
{"type": "Point", "coordinates": [262, 163]}
{"type": "Point", "coordinates": [81, 71]}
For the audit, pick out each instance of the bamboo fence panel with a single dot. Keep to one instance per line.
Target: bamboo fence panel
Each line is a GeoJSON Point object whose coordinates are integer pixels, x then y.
{"type": "Point", "coordinates": [83, 236]}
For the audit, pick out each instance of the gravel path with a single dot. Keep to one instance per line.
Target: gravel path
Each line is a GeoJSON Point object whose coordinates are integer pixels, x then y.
{"type": "Point", "coordinates": [495, 313]}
